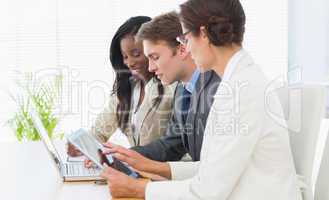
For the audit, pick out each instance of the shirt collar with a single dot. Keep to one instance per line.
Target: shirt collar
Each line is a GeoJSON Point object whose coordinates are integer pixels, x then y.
{"type": "Point", "coordinates": [232, 64]}
{"type": "Point", "coordinates": [190, 85]}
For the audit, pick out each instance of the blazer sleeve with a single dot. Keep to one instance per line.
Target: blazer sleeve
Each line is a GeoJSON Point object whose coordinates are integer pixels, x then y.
{"type": "Point", "coordinates": [226, 152]}
{"type": "Point", "coordinates": [106, 121]}
{"type": "Point", "coordinates": [183, 170]}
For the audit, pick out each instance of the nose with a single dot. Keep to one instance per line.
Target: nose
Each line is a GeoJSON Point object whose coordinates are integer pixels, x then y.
{"type": "Point", "coordinates": [152, 66]}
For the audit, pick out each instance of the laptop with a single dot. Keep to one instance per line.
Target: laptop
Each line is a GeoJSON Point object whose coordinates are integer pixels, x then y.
{"type": "Point", "coordinates": [69, 171]}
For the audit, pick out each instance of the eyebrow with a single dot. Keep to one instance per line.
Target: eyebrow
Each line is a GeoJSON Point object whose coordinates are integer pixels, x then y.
{"type": "Point", "coordinates": [134, 49]}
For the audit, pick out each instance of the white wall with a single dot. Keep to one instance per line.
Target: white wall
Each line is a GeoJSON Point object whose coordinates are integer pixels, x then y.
{"type": "Point", "coordinates": [266, 35]}
{"type": "Point", "coordinates": [308, 41]}
{"type": "Point", "coordinates": [74, 36]}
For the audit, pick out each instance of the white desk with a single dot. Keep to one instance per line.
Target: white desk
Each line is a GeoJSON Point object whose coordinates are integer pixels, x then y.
{"type": "Point", "coordinates": [27, 173]}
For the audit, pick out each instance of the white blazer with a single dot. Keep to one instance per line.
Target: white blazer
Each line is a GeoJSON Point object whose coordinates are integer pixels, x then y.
{"type": "Point", "coordinates": [245, 153]}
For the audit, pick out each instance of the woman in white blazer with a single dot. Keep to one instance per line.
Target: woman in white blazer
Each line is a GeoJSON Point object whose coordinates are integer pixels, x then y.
{"type": "Point", "coordinates": [245, 153]}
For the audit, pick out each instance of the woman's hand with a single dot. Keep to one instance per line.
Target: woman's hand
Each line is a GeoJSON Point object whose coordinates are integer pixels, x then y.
{"type": "Point", "coordinates": [89, 164]}
{"type": "Point", "coordinates": [138, 161]}
{"type": "Point", "coordinates": [121, 185]}
{"type": "Point", "coordinates": [72, 151]}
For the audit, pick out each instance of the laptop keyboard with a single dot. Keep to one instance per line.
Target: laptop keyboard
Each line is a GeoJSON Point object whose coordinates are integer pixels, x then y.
{"type": "Point", "coordinates": [78, 169]}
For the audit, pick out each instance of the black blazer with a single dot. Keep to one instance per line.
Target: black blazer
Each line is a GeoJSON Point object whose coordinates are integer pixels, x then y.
{"type": "Point", "coordinates": [181, 139]}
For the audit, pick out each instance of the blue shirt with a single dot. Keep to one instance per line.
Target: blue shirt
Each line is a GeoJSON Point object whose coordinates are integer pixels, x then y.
{"type": "Point", "coordinates": [190, 85]}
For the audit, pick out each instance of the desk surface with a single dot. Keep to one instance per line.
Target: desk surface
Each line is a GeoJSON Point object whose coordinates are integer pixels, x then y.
{"type": "Point", "coordinates": [27, 173]}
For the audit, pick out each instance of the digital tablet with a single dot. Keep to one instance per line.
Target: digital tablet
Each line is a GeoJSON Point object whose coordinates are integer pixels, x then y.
{"type": "Point", "coordinates": [93, 150]}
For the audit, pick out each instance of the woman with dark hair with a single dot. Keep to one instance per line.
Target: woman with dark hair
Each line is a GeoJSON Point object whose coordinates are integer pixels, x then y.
{"type": "Point", "coordinates": [139, 104]}
{"type": "Point", "coordinates": [245, 153]}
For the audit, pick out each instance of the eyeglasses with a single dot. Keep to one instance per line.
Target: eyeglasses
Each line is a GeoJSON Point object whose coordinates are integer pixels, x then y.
{"type": "Point", "coordinates": [182, 38]}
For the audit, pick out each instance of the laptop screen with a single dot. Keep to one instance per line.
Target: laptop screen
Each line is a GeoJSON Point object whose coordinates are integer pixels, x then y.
{"type": "Point", "coordinates": [44, 135]}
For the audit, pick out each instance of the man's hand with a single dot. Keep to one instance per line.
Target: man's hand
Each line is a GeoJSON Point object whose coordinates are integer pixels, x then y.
{"type": "Point", "coordinates": [131, 157]}
{"type": "Point", "coordinates": [121, 185]}
{"type": "Point", "coordinates": [138, 161]}
{"type": "Point", "coordinates": [72, 151]}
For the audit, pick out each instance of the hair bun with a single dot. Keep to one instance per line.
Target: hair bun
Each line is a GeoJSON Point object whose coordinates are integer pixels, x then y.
{"type": "Point", "coordinates": [216, 20]}
{"type": "Point", "coordinates": [219, 30]}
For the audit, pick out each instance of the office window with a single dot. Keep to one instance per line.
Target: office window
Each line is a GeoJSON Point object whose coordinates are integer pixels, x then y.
{"type": "Point", "coordinates": [73, 36]}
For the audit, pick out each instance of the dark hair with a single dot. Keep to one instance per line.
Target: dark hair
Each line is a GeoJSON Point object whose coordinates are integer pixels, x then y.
{"type": "Point", "coordinates": [165, 27]}
{"type": "Point", "coordinates": [122, 87]}
{"type": "Point", "coordinates": [224, 20]}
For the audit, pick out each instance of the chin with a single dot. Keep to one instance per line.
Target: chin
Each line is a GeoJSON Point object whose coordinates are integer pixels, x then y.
{"type": "Point", "coordinates": [137, 76]}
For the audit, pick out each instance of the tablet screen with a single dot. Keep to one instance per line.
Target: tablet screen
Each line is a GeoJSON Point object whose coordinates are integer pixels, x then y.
{"type": "Point", "coordinates": [89, 146]}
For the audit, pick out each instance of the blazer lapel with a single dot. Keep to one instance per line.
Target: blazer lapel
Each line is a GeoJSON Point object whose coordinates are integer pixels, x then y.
{"type": "Point", "coordinates": [151, 93]}
{"type": "Point", "coordinates": [177, 109]}
{"type": "Point", "coordinates": [195, 101]}
{"type": "Point", "coordinates": [180, 103]}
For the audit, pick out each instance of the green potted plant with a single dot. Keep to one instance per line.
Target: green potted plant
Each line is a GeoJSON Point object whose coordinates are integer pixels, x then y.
{"type": "Point", "coordinates": [44, 95]}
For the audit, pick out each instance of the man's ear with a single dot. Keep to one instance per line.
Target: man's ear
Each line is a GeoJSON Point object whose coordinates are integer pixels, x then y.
{"type": "Point", "coordinates": [182, 51]}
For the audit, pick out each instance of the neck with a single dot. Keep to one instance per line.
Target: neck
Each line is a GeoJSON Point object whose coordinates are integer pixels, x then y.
{"type": "Point", "coordinates": [188, 68]}
{"type": "Point", "coordinates": [145, 79]}
{"type": "Point", "coordinates": [223, 56]}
